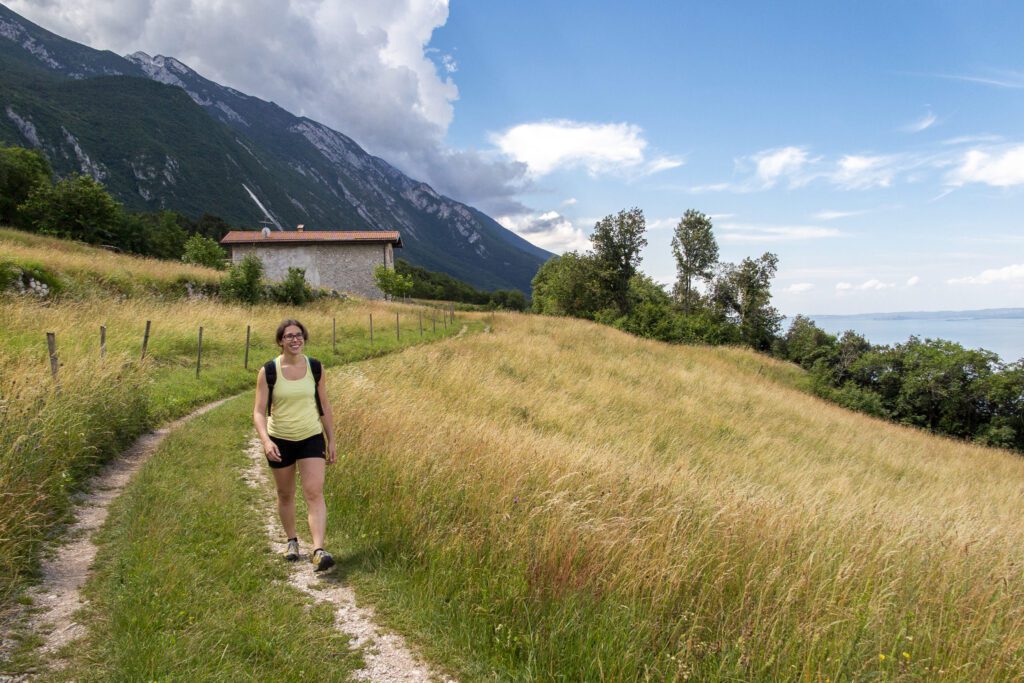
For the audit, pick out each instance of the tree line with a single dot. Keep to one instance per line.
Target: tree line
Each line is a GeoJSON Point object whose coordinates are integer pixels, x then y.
{"type": "Point", "coordinates": [78, 207]}
{"type": "Point", "coordinates": [935, 384]}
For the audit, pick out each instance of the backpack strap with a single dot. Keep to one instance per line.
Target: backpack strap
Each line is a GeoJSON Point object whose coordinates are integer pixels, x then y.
{"type": "Point", "coordinates": [318, 371]}
{"type": "Point", "coordinates": [270, 373]}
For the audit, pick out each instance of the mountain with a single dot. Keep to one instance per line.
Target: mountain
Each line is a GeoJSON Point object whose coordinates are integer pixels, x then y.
{"type": "Point", "coordinates": [159, 135]}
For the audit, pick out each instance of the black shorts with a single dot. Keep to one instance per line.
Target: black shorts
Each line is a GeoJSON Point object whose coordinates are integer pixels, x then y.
{"type": "Point", "coordinates": [313, 447]}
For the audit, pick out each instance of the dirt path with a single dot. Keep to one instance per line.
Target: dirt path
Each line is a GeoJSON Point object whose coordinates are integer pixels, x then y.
{"type": "Point", "coordinates": [388, 658]}
{"type": "Point", "coordinates": [58, 597]}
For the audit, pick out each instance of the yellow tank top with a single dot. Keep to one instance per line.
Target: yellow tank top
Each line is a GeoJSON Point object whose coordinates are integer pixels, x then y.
{"type": "Point", "coordinates": [293, 413]}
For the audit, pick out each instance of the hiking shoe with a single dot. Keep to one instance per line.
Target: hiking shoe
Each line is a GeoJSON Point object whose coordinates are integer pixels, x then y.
{"type": "Point", "coordinates": [291, 553]}
{"type": "Point", "coordinates": [322, 560]}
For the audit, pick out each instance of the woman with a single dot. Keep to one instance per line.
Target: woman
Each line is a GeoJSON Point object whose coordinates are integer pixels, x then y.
{"type": "Point", "coordinates": [293, 436]}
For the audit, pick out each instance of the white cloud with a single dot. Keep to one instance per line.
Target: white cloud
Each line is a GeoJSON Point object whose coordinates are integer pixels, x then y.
{"type": "Point", "coordinates": [798, 287]}
{"type": "Point", "coordinates": [861, 172]}
{"type": "Point", "coordinates": [834, 215]}
{"type": "Point", "coordinates": [1011, 274]}
{"type": "Point", "coordinates": [972, 139]}
{"type": "Point", "coordinates": [714, 187]}
{"type": "Point", "coordinates": [662, 223]}
{"type": "Point", "coordinates": [875, 285]}
{"type": "Point", "coordinates": [743, 233]}
{"type": "Point", "coordinates": [549, 230]}
{"type": "Point", "coordinates": [999, 168]}
{"type": "Point", "coordinates": [598, 148]}
{"type": "Point", "coordinates": [1008, 79]}
{"type": "Point", "coordinates": [774, 164]}
{"type": "Point", "coordinates": [913, 281]}
{"type": "Point", "coordinates": [569, 202]}
{"type": "Point", "coordinates": [871, 285]}
{"type": "Point", "coordinates": [923, 123]}
{"type": "Point", "coordinates": [662, 164]}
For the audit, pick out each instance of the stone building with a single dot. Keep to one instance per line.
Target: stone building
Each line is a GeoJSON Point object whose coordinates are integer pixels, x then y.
{"type": "Point", "coordinates": [332, 259]}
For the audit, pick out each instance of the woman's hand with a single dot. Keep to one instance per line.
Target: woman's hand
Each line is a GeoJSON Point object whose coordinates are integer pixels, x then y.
{"type": "Point", "coordinates": [332, 452]}
{"type": "Point", "coordinates": [270, 448]}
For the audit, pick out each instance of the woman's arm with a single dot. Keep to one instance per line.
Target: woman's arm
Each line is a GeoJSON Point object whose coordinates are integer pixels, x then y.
{"type": "Point", "coordinates": [327, 419]}
{"type": "Point", "coordinates": [259, 417]}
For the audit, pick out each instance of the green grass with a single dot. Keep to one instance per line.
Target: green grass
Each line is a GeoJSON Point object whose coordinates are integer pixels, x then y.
{"type": "Point", "coordinates": [185, 586]}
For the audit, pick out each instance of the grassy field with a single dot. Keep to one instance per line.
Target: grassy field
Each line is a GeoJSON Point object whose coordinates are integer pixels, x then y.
{"type": "Point", "coordinates": [560, 501]}
{"type": "Point", "coordinates": [54, 435]}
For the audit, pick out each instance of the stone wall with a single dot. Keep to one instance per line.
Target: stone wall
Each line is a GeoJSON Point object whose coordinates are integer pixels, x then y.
{"type": "Point", "coordinates": [343, 266]}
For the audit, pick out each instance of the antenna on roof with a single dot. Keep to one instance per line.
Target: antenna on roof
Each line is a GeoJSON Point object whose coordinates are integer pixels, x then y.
{"type": "Point", "coordinates": [266, 227]}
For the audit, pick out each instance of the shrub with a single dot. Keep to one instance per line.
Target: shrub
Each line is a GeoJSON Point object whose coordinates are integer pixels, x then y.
{"type": "Point", "coordinates": [203, 251]}
{"type": "Point", "coordinates": [293, 290]}
{"type": "Point", "coordinates": [244, 281]}
{"type": "Point", "coordinates": [77, 208]}
{"type": "Point", "coordinates": [391, 282]}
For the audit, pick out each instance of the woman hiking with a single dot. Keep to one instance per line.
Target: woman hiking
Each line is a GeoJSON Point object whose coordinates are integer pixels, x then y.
{"type": "Point", "coordinates": [292, 414]}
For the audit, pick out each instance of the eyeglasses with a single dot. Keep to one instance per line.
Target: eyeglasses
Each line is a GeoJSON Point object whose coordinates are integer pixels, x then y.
{"type": "Point", "coordinates": [292, 337]}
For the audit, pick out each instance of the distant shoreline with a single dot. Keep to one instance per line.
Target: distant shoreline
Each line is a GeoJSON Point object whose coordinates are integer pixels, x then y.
{"type": "Point", "coordinates": [980, 314]}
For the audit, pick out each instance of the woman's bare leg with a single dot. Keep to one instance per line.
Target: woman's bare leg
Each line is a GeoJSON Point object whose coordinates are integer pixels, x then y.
{"type": "Point", "coordinates": [284, 480]}
{"type": "Point", "coordinates": [311, 471]}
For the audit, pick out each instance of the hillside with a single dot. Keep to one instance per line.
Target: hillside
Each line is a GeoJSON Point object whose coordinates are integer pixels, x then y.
{"type": "Point", "coordinates": [571, 502]}
{"type": "Point", "coordinates": [160, 135]}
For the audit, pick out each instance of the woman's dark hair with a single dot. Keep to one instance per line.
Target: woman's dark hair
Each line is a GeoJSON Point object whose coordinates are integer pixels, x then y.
{"type": "Point", "coordinates": [285, 324]}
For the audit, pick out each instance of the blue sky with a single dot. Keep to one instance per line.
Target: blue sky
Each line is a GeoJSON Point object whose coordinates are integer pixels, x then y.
{"type": "Point", "coordinates": [876, 147]}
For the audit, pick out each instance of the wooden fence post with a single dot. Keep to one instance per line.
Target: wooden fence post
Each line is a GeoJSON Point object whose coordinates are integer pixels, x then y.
{"type": "Point", "coordinates": [398, 330]}
{"type": "Point", "coordinates": [103, 341]}
{"type": "Point", "coordinates": [51, 345]}
{"type": "Point", "coordinates": [145, 340]}
{"type": "Point", "coordinates": [199, 352]}
{"type": "Point", "coordinates": [421, 323]}
{"type": "Point", "coordinates": [248, 329]}
{"type": "Point", "coordinates": [371, 329]}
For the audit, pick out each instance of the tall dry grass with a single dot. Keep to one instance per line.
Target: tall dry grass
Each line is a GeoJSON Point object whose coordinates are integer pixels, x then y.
{"type": "Point", "coordinates": [86, 267]}
{"type": "Point", "coordinates": [562, 501]}
{"type": "Point", "coordinates": [51, 440]}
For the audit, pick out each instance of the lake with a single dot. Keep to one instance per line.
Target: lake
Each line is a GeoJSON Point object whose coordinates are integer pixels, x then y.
{"type": "Point", "coordinates": [1003, 335]}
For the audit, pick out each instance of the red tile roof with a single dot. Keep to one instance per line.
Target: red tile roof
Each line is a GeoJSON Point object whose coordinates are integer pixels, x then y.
{"type": "Point", "coordinates": [277, 236]}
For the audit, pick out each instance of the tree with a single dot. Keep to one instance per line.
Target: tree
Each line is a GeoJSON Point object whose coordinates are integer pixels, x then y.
{"type": "Point", "coordinates": [165, 238]}
{"type": "Point", "coordinates": [77, 208]}
{"type": "Point", "coordinates": [203, 251]}
{"type": "Point", "coordinates": [391, 282]}
{"type": "Point", "coordinates": [696, 252]}
{"type": "Point", "coordinates": [293, 289]}
{"type": "Point", "coordinates": [508, 299]}
{"type": "Point", "coordinates": [805, 342]}
{"type": "Point", "coordinates": [244, 282]}
{"type": "Point", "coordinates": [21, 171]}
{"type": "Point", "coordinates": [743, 294]}
{"type": "Point", "coordinates": [568, 285]}
{"type": "Point", "coordinates": [617, 243]}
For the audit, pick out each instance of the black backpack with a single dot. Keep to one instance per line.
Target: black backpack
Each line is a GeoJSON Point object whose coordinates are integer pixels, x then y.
{"type": "Point", "coordinates": [270, 372]}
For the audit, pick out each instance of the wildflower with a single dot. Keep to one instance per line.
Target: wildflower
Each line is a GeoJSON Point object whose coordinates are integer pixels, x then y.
{"type": "Point", "coordinates": [881, 657]}
{"type": "Point", "coordinates": [906, 655]}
